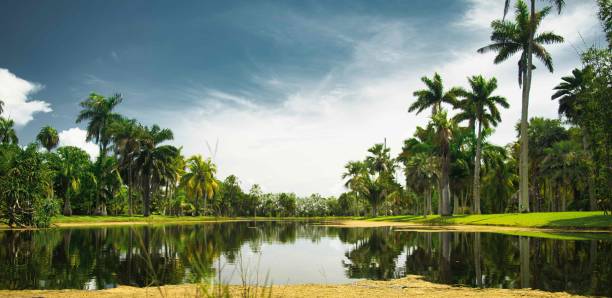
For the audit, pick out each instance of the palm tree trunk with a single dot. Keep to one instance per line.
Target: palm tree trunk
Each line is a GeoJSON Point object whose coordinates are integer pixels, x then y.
{"type": "Point", "coordinates": [205, 197]}
{"type": "Point", "coordinates": [455, 203]}
{"type": "Point", "coordinates": [130, 183]}
{"type": "Point", "coordinates": [590, 180]}
{"type": "Point", "coordinates": [197, 205]}
{"type": "Point", "coordinates": [445, 187]}
{"type": "Point", "coordinates": [147, 196]}
{"type": "Point", "coordinates": [67, 209]}
{"type": "Point", "coordinates": [524, 154]}
{"type": "Point", "coordinates": [477, 169]}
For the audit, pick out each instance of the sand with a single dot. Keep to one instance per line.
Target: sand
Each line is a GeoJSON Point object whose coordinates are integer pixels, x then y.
{"type": "Point", "coordinates": [404, 287]}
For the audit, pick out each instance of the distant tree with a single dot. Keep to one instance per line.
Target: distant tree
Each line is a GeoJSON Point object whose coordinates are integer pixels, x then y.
{"type": "Point", "coordinates": [200, 180]}
{"type": "Point", "coordinates": [7, 132]}
{"type": "Point", "coordinates": [154, 162]}
{"type": "Point", "coordinates": [48, 138]}
{"type": "Point", "coordinates": [127, 135]}
{"type": "Point", "coordinates": [71, 165]}
{"type": "Point", "coordinates": [433, 96]}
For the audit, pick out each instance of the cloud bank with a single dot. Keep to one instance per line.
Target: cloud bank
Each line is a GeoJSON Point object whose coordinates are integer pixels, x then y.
{"type": "Point", "coordinates": [15, 93]}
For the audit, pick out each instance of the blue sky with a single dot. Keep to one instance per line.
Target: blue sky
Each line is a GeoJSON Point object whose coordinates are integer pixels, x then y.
{"type": "Point", "coordinates": [291, 89]}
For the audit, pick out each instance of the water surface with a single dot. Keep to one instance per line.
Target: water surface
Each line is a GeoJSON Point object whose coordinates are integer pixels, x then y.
{"type": "Point", "coordinates": [295, 252]}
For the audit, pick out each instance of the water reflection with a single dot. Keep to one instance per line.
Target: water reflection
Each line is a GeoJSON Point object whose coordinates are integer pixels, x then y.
{"type": "Point", "coordinates": [297, 253]}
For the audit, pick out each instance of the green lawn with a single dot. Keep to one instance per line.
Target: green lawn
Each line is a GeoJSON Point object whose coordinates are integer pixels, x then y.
{"type": "Point", "coordinates": [168, 219]}
{"type": "Point", "coordinates": [576, 220]}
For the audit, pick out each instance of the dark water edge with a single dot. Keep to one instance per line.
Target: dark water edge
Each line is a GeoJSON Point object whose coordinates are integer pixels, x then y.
{"type": "Point", "coordinates": [296, 252]}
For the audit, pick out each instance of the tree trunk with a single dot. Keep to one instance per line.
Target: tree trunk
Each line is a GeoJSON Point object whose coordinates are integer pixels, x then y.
{"type": "Point", "coordinates": [205, 197]}
{"type": "Point", "coordinates": [130, 183]}
{"type": "Point", "coordinates": [590, 182]}
{"type": "Point", "coordinates": [147, 196]}
{"type": "Point", "coordinates": [67, 209]}
{"type": "Point", "coordinates": [524, 154]}
{"type": "Point", "coordinates": [477, 169]}
{"type": "Point", "coordinates": [445, 187]}
{"type": "Point", "coordinates": [455, 204]}
{"type": "Point", "coordinates": [428, 209]}
{"type": "Point", "coordinates": [197, 206]}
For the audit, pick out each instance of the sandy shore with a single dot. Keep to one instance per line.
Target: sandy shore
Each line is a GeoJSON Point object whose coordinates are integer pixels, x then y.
{"type": "Point", "coordinates": [403, 287]}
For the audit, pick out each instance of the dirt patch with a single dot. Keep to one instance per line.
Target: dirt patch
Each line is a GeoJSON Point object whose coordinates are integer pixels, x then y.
{"type": "Point", "coordinates": [404, 287]}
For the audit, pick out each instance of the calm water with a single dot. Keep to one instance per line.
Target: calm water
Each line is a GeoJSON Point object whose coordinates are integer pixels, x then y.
{"type": "Point", "coordinates": [296, 252]}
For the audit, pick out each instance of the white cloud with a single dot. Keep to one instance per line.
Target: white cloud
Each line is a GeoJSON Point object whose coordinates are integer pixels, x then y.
{"type": "Point", "coordinates": [302, 145]}
{"type": "Point", "coordinates": [76, 137]}
{"type": "Point", "coordinates": [14, 91]}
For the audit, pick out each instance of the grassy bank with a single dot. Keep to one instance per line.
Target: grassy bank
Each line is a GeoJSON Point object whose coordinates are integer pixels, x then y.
{"type": "Point", "coordinates": [91, 219]}
{"type": "Point", "coordinates": [573, 220]}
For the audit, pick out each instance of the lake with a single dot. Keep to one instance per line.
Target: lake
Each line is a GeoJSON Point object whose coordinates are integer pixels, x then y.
{"type": "Point", "coordinates": [291, 252]}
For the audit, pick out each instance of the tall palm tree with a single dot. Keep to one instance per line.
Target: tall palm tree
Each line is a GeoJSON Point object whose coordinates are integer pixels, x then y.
{"type": "Point", "coordinates": [444, 131]}
{"type": "Point", "coordinates": [433, 96]}
{"type": "Point", "coordinates": [7, 132]}
{"type": "Point", "coordinates": [153, 161]}
{"type": "Point", "coordinates": [48, 138]}
{"type": "Point", "coordinates": [99, 111]}
{"type": "Point", "coordinates": [200, 180]}
{"type": "Point", "coordinates": [480, 104]}
{"type": "Point", "coordinates": [126, 136]}
{"type": "Point", "coordinates": [508, 39]}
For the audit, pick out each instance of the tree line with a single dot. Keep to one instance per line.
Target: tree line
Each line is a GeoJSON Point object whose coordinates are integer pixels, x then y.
{"type": "Point", "coordinates": [449, 167]}
{"type": "Point", "coordinates": [136, 171]}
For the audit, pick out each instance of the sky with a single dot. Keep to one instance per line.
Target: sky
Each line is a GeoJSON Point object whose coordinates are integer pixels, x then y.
{"type": "Point", "coordinates": [289, 90]}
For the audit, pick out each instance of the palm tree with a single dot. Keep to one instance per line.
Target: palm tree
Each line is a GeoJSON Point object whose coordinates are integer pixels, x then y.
{"type": "Point", "coordinates": [72, 164]}
{"type": "Point", "coordinates": [48, 138]}
{"type": "Point", "coordinates": [1, 106]}
{"type": "Point", "coordinates": [572, 93]}
{"type": "Point", "coordinates": [444, 130]}
{"type": "Point", "coordinates": [433, 96]}
{"type": "Point", "coordinates": [480, 104]}
{"type": "Point", "coordinates": [126, 135]}
{"type": "Point", "coordinates": [108, 181]}
{"type": "Point", "coordinates": [508, 39]}
{"type": "Point", "coordinates": [7, 132]}
{"type": "Point", "coordinates": [200, 180]}
{"type": "Point", "coordinates": [99, 111]}
{"type": "Point", "coordinates": [153, 162]}
{"type": "Point", "coordinates": [564, 163]}
{"type": "Point", "coordinates": [421, 165]}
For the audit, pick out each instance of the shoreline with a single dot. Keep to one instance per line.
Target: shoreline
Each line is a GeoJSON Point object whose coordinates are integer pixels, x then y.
{"type": "Point", "coordinates": [335, 222]}
{"type": "Point", "coordinates": [422, 227]}
{"type": "Point", "coordinates": [411, 285]}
